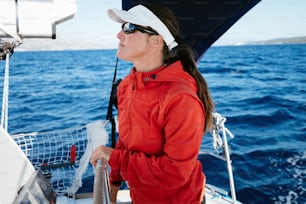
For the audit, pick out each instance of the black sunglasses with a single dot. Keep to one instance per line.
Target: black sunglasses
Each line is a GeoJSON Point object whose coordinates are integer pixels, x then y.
{"type": "Point", "coordinates": [128, 28]}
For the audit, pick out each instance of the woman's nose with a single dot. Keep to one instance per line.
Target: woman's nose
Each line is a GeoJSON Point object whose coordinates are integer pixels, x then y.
{"type": "Point", "coordinates": [120, 35]}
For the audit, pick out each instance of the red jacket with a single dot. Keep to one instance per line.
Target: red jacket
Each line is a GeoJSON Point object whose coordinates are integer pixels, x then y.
{"type": "Point", "coordinates": [161, 123]}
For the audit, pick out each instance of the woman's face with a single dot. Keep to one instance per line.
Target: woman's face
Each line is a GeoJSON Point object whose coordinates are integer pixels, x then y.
{"type": "Point", "coordinates": [133, 46]}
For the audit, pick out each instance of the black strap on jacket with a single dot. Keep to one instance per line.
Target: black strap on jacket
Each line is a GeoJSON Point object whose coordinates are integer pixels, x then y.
{"type": "Point", "coordinates": [113, 102]}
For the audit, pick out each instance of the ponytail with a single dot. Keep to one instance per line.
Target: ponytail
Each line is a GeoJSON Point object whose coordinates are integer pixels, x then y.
{"type": "Point", "coordinates": [185, 54]}
{"type": "Point", "coordinates": [187, 57]}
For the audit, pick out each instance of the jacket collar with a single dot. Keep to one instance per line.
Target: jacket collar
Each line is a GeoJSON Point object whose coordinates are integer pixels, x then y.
{"type": "Point", "coordinates": [171, 73]}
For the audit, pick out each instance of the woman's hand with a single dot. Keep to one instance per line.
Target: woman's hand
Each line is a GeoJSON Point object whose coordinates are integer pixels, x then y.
{"type": "Point", "coordinates": [101, 152]}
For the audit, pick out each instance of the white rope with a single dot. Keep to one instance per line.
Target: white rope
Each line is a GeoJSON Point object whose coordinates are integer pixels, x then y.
{"type": "Point", "coordinates": [97, 135]}
{"type": "Point", "coordinates": [4, 112]}
{"type": "Point", "coordinates": [218, 142]}
{"type": "Point", "coordinates": [218, 121]}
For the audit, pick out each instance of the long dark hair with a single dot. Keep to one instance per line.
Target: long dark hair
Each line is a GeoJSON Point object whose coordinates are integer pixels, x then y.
{"type": "Point", "coordinates": [186, 55]}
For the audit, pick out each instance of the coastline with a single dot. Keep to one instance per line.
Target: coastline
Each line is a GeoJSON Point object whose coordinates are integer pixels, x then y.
{"type": "Point", "coordinates": [60, 45]}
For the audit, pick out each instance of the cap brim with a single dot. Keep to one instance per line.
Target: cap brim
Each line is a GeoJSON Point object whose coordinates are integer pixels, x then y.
{"type": "Point", "coordinates": [122, 16]}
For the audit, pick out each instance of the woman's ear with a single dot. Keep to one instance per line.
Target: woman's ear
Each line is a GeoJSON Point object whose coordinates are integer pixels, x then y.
{"type": "Point", "coordinates": [157, 40]}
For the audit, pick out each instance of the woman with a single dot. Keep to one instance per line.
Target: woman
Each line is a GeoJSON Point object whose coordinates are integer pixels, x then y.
{"type": "Point", "coordinates": [164, 106]}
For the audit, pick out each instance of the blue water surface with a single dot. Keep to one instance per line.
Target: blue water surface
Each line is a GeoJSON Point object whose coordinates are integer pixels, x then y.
{"type": "Point", "coordinates": [261, 90]}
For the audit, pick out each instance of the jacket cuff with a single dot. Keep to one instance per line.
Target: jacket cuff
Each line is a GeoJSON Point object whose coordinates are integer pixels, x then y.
{"type": "Point", "coordinates": [115, 183]}
{"type": "Point", "coordinates": [114, 162]}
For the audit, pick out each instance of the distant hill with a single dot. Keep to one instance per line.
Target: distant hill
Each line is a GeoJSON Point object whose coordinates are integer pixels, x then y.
{"type": "Point", "coordinates": [74, 44]}
{"type": "Point", "coordinates": [279, 41]}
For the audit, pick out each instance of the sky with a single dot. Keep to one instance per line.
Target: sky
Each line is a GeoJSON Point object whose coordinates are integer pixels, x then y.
{"type": "Point", "coordinates": [269, 19]}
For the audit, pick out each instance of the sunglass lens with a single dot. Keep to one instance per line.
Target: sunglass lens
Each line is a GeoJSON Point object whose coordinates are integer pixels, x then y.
{"type": "Point", "coordinates": [128, 28]}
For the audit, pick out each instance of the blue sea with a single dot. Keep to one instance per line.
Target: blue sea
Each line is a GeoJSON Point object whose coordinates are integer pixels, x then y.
{"type": "Point", "coordinates": [261, 90]}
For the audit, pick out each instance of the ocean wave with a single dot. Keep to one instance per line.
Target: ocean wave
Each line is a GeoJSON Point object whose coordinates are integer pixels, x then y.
{"type": "Point", "coordinates": [267, 167]}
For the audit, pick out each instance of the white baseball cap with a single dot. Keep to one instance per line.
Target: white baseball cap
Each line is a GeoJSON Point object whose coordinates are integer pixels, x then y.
{"type": "Point", "coordinates": [140, 15]}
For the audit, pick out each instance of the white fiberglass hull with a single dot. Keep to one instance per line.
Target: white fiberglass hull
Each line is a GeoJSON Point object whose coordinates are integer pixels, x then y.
{"type": "Point", "coordinates": [211, 194]}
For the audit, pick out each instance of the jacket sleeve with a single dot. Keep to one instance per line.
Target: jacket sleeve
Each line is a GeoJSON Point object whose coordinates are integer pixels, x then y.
{"type": "Point", "coordinates": [115, 177]}
{"type": "Point", "coordinates": [183, 131]}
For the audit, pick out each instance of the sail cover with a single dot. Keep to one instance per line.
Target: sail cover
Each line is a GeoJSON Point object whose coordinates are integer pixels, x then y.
{"type": "Point", "coordinates": [33, 18]}
{"type": "Point", "coordinates": [202, 22]}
